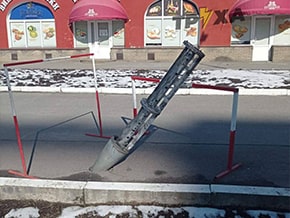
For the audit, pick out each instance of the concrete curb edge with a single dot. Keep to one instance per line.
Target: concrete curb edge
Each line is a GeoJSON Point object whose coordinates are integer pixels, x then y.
{"type": "Point", "coordinates": [146, 91]}
{"type": "Point", "coordinates": [120, 193]}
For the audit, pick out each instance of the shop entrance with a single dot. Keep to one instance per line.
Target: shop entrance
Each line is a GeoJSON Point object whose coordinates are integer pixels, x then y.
{"type": "Point", "coordinates": [100, 40]}
{"type": "Point", "coordinates": [262, 31]}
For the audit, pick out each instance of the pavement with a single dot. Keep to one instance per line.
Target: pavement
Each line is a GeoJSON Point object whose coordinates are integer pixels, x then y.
{"type": "Point", "coordinates": [164, 65]}
{"type": "Point", "coordinates": [181, 157]}
{"type": "Point", "coordinates": [85, 63]}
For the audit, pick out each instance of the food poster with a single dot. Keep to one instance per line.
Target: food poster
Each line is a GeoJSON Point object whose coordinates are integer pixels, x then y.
{"type": "Point", "coordinates": [118, 33]}
{"type": "Point", "coordinates": [172, 7]}
{"type": "Point", "coordinates": [190, 30]}
{"type": "Point", "coordinates": [171, 32]}
{"type": "Point", "coordinates": [153, 31]}
{"type": "Point", "coordinates": [48, 31]}
{"type": "Point", "coordinates": [189, 9]}
{"type": "Point", "coordinates": [33, 32]}
{"type": "Point", "coordinates": [155, 9]}
{"type": "Point", "coordinates": [241, 31]}
{"type": "Point", "coordinates": [282, 30]}
{"type": "Point", "coordinates": [17, 34]}
{"type": "Point", "coordinates": [81, 34]}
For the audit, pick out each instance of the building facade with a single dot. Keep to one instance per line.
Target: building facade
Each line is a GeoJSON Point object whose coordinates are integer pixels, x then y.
{"type": "Point", "coordinates": [154, 30]}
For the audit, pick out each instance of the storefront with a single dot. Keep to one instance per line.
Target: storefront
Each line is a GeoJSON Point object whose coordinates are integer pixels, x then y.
{"type": "Point", "coordinates": [101, 26]}
{"type": "Point", "coordinates": [261, 24]}
{"type": "Point", "coordinates": [50, 24]}
{"type": "Point", "coordinates": [35, 24]}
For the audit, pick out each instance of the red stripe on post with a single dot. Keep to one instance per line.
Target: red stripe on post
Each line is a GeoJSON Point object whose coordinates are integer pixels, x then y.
{"type": "Point", "coordinates": [231, 149]}
{"type": "Point", "coordinates": [99, 113]}
{"type": "Point", "coordinates": [230, 166]}
{"type": "Point", "coordinates": [20, 147]}
{"type": "Point", "coordinates": [135, 112]}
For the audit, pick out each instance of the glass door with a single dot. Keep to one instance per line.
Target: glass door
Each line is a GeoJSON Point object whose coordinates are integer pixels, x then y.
{"type": "Point", "coordinates": [100, 38]}
{"type": "Point", "coordinates": [262, 38]}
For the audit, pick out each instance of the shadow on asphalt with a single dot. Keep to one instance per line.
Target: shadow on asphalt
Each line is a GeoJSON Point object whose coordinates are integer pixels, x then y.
{"type": "Point", "coordinates": [190, 154]}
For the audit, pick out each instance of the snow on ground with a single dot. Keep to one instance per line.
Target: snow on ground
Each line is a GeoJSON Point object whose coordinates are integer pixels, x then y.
{"type": "Point", "coordinates": [121, 78]}
{"type": "Point", "coordinates": [146, 212]}
{"type": "Point", "coordinates": [27, 212]}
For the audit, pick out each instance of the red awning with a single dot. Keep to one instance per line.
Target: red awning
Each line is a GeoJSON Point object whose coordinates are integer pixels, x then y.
{"type": "Point", "coordinates": [260, 7]}
{"type": "Point", "coordinates": [97, 10]}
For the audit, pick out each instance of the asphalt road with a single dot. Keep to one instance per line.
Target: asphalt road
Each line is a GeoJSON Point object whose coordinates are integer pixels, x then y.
{"type": "Point", "coordinates": [189, 143]}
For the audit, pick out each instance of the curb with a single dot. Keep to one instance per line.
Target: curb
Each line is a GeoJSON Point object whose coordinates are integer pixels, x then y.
{"type": "Point", "coordinates": [146, 91]}
{"type": "Point", "coordinates": [120, 193]}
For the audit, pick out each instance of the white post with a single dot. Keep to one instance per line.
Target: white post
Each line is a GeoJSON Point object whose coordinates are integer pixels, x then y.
{"type": "Point", "coordinates": [134, 98]}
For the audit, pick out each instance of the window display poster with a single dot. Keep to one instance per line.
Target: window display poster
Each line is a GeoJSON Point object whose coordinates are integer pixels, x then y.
{"type": "Point", "coordinates": [155, 9]}
{"type": "Point", "coordinates": [170, 22]}
{"type": "Point", "coordinates": [171, 35]}
{"type": "Point", "coordinates": [189, 9]}
{"type": "Point", "coordinates": [81, 34]}
{"type": "Point", "coordinates": [190, 31]}
{"type": "Point", "coordinates": [48, 30]}
{"type": "Point", "coordinates": [17, 34]}
{"type": "Point", "coordinates": [153, 31]}
{"type": "Point", "coordinates": [282, 30]}
{"type": "Point", "coordinates": [33, 34]}
{"type": "Point", "coordinates": [118, 33]}
{"type": "Point", "coordinates": [241, 31]}
{"type": "Point", "coordinates": [171, 7]}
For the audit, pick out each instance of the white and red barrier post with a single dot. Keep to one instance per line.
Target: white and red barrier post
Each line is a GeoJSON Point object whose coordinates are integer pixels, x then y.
{"type": "Point", "coordinates": [98, 104]}
{"type": "Point", "coordinates": [45, 60]}
{"type": "Point", "coordinates": [230, 166]}
{"type": "Point", "coordinates": [17, 130]}
{"type": "Point", "coordinates": [16, 125]}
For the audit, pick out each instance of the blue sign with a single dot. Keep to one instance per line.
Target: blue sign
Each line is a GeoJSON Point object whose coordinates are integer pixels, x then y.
{"type": "Point", "coordinates": [31, 10]}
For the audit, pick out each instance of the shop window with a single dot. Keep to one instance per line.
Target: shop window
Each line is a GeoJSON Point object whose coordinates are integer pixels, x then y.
{"type": "Point", "coordinates": [118, 33]}
{"type": "Point", "coordinates": [241, 30]}
{"type": "Point", "coordinates": [282, 30]}
{"type": "Point", "coordinates": [31, 25]}
{"type": "Point", "coordinates": [81, 33]}
{"type": "Point", "coordinates": [170, 22]}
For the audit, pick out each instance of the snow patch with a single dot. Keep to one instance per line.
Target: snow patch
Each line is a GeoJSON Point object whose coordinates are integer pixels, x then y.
{"type": "Point", "coordinates": [260, 79]}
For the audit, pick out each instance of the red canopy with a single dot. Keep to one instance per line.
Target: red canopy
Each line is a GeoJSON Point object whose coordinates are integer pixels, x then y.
{"type": "Point", "coordinates": [258, 7]}
{"type": "Point", "coordinates": [97, 10]}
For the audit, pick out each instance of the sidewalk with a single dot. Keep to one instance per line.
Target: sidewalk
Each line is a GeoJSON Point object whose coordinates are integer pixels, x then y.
{"type": "Point", "coordinates": [153, 65]}
{"type": "Point", "coordinates": [85, 63]}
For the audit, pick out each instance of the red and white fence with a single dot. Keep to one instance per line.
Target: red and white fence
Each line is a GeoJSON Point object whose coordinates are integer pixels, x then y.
{"type": "Point", "coordinates": [230, 166]}
{"type": "Point", "coordinates": [235, 91]}
{"type": "Point", "coordinates": [17, 129]}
